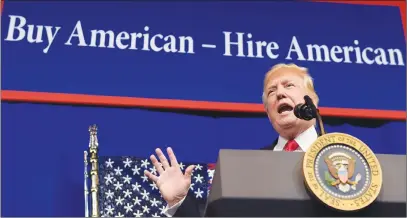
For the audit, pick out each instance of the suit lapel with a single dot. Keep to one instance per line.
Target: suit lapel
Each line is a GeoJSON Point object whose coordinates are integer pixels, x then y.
{"type": "Point", "coordinates": [270, 147]}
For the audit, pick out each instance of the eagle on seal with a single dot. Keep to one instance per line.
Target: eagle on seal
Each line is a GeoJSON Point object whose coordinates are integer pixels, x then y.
{"type": "Point", "coordinates": [342, 167]}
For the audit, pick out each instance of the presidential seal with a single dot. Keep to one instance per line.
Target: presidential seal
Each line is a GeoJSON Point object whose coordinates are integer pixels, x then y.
{"type": "Point", "coordinates": [342, 172]}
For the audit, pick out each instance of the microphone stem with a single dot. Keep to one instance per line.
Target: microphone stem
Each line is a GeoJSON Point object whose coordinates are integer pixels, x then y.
{"type": "Point", "coordinates": [321, 125]}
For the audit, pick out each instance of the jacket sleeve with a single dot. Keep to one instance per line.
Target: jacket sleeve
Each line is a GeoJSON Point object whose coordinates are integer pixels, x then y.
{"type": "Point", "coordinates": [189, 208]}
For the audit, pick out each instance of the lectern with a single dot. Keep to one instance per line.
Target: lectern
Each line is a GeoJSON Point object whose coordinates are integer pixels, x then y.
{"type": "Point", "coordinates": [258, 183]}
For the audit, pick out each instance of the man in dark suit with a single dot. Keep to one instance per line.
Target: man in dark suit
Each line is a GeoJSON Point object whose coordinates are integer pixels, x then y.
{"type": "Point", "coordinates": [284, 87]}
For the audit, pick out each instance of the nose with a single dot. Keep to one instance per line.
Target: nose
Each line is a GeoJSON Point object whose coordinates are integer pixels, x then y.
{"type": "Point", "coordinates": [280, 94]}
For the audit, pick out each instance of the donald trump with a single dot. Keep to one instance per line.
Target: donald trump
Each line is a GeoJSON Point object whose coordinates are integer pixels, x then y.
{"type": "Point", "coordinates": [285, 86]}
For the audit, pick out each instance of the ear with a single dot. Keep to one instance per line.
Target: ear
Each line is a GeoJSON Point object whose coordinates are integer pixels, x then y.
{"type": "Point", "coordinates": [264, 101]}
{"type": "Point", "coordinates": [267, 112]}
{"type": "Point", "coordinates": [314, 99]}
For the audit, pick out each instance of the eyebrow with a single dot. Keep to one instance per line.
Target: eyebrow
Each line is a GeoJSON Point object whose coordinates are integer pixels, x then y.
{"type": "Point", "coordinates": [285, 81]}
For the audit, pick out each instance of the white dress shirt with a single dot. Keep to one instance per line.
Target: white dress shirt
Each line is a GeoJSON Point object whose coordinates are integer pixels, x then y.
{"type": "Point", "coordinates": [304, 140]}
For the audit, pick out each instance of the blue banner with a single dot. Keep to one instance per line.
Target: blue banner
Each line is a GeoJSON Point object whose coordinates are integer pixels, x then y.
{"type": "Point", "coordinates": [210, 51]}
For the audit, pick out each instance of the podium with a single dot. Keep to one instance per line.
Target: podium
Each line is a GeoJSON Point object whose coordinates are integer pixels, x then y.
{"type": "Point", "coordinates": [259, 183]}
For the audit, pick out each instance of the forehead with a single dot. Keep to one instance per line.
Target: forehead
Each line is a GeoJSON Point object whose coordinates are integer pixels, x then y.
{"type": "Point", "coordinates": [284, 75]}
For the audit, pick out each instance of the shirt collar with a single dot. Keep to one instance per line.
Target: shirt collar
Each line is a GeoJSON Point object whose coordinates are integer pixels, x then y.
{"type": "Point", "coordinates": [304, 140]}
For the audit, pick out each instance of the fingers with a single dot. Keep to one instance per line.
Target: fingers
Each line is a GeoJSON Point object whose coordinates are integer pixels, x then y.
{"type": "Point", "coordinates": [162, 158]}
{"type": "Point", "coordinates": [164, 162]}
{"type": "Point", "coordinates": [151, 176]}
{"type": "Point", "coordinates": [188, 171]}
{"type": "Point", "coordinates": [156, 164]}
{"type": "Point", "coordinates": [172, 157]}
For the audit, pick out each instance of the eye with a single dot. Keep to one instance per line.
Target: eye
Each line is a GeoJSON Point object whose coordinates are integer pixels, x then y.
{"type": "Point", "coordinates": [289, 85]}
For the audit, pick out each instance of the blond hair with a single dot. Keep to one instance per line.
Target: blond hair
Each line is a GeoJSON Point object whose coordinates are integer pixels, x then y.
{"type": "Point", "coordinates": [301, 71]}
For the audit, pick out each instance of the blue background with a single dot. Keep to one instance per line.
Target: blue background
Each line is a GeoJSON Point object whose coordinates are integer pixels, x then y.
{"type": "Point", "coordinates": [43, 144]}
{"type": "Point", "coordinates": [205, 75]}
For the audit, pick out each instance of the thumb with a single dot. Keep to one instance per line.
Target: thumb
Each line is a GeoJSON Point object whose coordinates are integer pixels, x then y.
{"type": "Point", "coordinates": [188, 171]}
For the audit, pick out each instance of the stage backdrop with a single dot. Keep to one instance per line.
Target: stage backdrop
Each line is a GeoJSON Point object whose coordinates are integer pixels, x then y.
{"type": "Point", "coordinates": [190, 55]}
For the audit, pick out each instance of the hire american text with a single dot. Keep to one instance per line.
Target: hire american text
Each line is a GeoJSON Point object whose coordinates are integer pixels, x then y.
{"type": "Point", "coordinates": [238, 44]}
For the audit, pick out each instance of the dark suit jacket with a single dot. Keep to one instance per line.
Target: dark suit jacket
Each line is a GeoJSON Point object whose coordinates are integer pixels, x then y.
{"type": "Point", "coordinates": [191, 208]}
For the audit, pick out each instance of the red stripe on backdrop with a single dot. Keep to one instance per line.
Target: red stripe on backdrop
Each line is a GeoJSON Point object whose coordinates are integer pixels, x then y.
{"type": "Point", "coordinates": [82, 99]}
{"type": "Point", "coordinates": [117, 101]}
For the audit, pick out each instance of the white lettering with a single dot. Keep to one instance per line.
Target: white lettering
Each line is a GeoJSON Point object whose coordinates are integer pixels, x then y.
{"type": "Point", "coordinates": [238, 44]}
{"type": "Point", "coordinates": [153, 44]}
{"type": "Point", "coordinates": [318, 52]}
{"type": "Point", "coordinates": [295, 47]}
{"type": "Point", "coordinates": [78, 33]}
{"type": "Point", "coordinates": [34, 32]}
{"type": "Point", "coordinates": [271, 46]}
{"type": "Point", "coordinates": [100, 35]}
{"type": "Point", "coordinates": [183, 41]}
{"type": "Point", "coordinates": [251, 50]}
{"type": "Point", "coordinates": [365, 57]}
{"type": "Point", "coordinates": [122, 36]}
{"type": "Point", "coordinates": [12, 26]}
{"type": "Point", "coordinates": [336, 50]}
{"type": "Point", "coordinates": [346, 54]}
{"type": "Point", "coordinates": [228, 43]}
{"type": "Point", "coordinates": [392, 54]}
{"type": "Point", "coordinates": [170, 46]}
{"type": "Point", "coordinates": [124, 40]}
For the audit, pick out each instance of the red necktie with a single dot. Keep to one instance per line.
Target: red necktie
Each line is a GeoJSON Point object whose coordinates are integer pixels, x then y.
{"type": "Point", "coordinates": [291, 145]}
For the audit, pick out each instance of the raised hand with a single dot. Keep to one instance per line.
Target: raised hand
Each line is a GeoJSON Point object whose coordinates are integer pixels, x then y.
{"type": "Point", "coordinates": [171, 182]}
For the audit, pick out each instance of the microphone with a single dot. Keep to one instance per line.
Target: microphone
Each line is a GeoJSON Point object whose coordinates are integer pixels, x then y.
{"type": "Point", "coordinates": [306, 111]}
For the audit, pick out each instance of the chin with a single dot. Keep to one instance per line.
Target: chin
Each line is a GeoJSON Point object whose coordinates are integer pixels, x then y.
{"type": "Point", "coordinates": [287, 122]}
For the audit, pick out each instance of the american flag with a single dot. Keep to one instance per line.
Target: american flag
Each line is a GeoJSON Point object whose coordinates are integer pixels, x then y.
{"type": "Point", "coordinates": [125, 191]}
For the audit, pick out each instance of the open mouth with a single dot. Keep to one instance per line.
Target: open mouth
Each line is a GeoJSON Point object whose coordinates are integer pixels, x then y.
{"type": "Point", "coordinates": [284, 108]}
